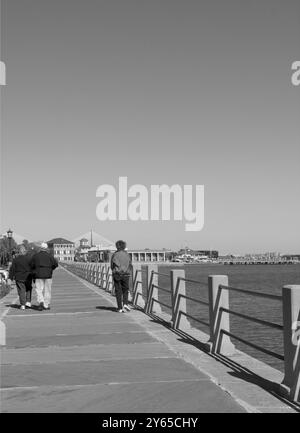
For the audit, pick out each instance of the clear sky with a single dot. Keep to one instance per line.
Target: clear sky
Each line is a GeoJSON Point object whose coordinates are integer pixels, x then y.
{"type": "Point", "coordinates": [160, 91]}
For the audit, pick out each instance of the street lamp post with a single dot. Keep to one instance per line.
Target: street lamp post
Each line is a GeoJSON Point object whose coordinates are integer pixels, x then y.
{"type": "Point", "coordinates": [9, 236]}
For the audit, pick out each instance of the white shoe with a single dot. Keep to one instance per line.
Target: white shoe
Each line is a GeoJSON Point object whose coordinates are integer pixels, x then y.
{"type": "Point", "coordinates": [28, 304]}
{"type": "Point", "coordinates": [126, 307]}
{"type": "Point", "coordinates": [22, 307]}
{"type": "Point", "coordinates": [121, 311]}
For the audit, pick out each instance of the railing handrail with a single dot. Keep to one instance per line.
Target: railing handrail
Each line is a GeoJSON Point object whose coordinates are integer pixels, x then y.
{"type": "Point", "coordinates": [160, 274]}
{"type": "Point", "coordinates": [255, 346]}
{"type": "Point", "coordinates": [192, 281]}
{"type": "Point", "coordinates": [252, 293]}
{"type": "Point", "coordinates": [161, 288]}
{"type": "Point", "coordinates": [199, 301]}
{"type": "Point", "coordinates": [254, 319]}
{"type": "Point", "coordinates": [194, 318]}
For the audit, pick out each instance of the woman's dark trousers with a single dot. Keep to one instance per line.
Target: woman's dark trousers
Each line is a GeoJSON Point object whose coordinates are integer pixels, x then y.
{"type": "Point", "coordinates": [24, 291]}
{"type": "Point", "coordinates": [121, 290]}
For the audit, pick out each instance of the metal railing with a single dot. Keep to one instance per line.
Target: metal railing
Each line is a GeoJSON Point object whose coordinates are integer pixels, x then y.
{"type": "Point", "coordinates": [252, 293]}
{"type": "Point", "coordinates": [145, 295]}
{"type": "Point", "coordinates": [251, 318]}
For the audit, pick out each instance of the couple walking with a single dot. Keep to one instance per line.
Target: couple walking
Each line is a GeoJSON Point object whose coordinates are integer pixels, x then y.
{"type": "Point", "coordinates": [37, 269]}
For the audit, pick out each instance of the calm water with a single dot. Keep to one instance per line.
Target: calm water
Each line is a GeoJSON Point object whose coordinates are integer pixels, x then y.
{"type": "Point", "coordinates": [261, 278]}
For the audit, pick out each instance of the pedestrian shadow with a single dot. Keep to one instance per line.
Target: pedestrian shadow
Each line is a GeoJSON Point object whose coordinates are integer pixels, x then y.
{"type": "Point", "coordinates": [17, 306]}
{"type": "Point", "coordinates": [101, 307]}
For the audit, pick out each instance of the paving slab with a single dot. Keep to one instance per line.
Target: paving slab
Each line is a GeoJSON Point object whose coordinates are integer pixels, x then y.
{"type": "Point", "coordinates": [72, 327]}
{"type": "Point", "coordinates": [158, 397]}
{"type": "Point", "coordinates": [80, 340]}
{"type": "Point", "coordinates": [86, 372]}
{"type": "Point", "coordinates": [83, 353]}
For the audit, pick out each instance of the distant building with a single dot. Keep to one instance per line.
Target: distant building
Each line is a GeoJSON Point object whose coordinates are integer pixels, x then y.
{"type": "Point", "coordinates": [292, 257]}
{"type": "Point", "coordinates": [62, 249]}
{"type": "Point", "coordinates": [84, 244]}
{"type": "Point", "coordinates": [148, 255]}
{"type": "Point", "coordinates": [207, 253]}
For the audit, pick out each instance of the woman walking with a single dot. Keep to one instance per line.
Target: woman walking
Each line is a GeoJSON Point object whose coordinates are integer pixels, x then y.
{"type": "Point", "coordinates": [121, 270]}
{"type": "Point", "coordinates": [20, 271]}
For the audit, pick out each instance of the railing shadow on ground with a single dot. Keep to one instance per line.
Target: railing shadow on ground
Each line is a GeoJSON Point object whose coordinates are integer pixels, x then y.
{"type": "Point", "coordinates": [238, 371]}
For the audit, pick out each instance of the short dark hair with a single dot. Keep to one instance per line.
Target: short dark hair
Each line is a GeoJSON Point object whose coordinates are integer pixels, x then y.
{"type": "Point", "coordinates": [120, 245]}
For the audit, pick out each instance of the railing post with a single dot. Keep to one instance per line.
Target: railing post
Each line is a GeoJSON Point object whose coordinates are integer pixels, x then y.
{"type": "Point", "coordinates": [152, 292]}
{"type": "Point", "coordinates": [137, 292]}
{"type": "Point", "coordinates": [90, 272]}
{"type": "Point", "coordinates": [111, 282]}
{"type": "Point", "coordinates": [179, 319]}
{"type": "Point", "coordinates": [108, 279]}
{"type": "Point", "coordinates": [290, 386]}
{"type": "Point", "coordinates": [219, 320]}
{"type": "Point", "coordinates": [104, 276]}
{"type": "Point", "coordinates": [113, 289]}
{"type": "Point", "coordinates": [97, 274]}
{"type": "Point", "coordinates": [101, 276]}
{"type": "Point", "coordinates": [130, 284]}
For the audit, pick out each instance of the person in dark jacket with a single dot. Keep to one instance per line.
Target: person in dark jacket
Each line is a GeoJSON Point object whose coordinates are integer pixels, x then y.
{"type": "Point", "coordinates": [43, 265]}
{"type": "Point", "coordinates": [20, 271]}
{"type": "Point", "coordinates": [121, 270]}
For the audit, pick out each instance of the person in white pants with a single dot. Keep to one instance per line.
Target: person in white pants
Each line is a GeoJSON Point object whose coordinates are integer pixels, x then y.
{"type": "Point", "coordinates": [42, 265]}
{"type": "Point", "coordinates": [43, 291]}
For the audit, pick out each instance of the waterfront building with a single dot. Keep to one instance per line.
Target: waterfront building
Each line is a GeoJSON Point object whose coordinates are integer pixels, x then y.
{"type": "Point", "coordinates": [291, 258]}
{"type": "Point", "coordinates": [103, 254]}
{"type": "Point", "coordinates": [62, 249]}
{"type": "Point", "coordinates": [84, 244]}
{"type": "Point", "coordinates": [213, 254]}
{"type": "Point", "coordinates": [148, 255]}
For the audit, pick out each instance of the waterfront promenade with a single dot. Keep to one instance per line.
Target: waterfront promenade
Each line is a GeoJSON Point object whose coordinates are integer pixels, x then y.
{"type": "Point", "coordinates": [82, 356]}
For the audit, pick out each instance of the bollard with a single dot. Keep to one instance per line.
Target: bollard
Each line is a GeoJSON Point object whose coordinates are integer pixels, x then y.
{"type": "Point", "coordinates": [137, 293]}
{"type": "Point", "coordinates": [218, 319]}
{"type": "Point", "coordinates": [2, 333]}
{"type": "Point", "coordinates": [290, 386]}
{"type": "Point", "coordinates": [179, 319]}
{"type": "Point", "coordinates": [152, 292]}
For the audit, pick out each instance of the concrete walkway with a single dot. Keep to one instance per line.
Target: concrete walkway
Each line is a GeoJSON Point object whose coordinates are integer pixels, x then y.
{"type": "Point", "coordinates": [82, 356]}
